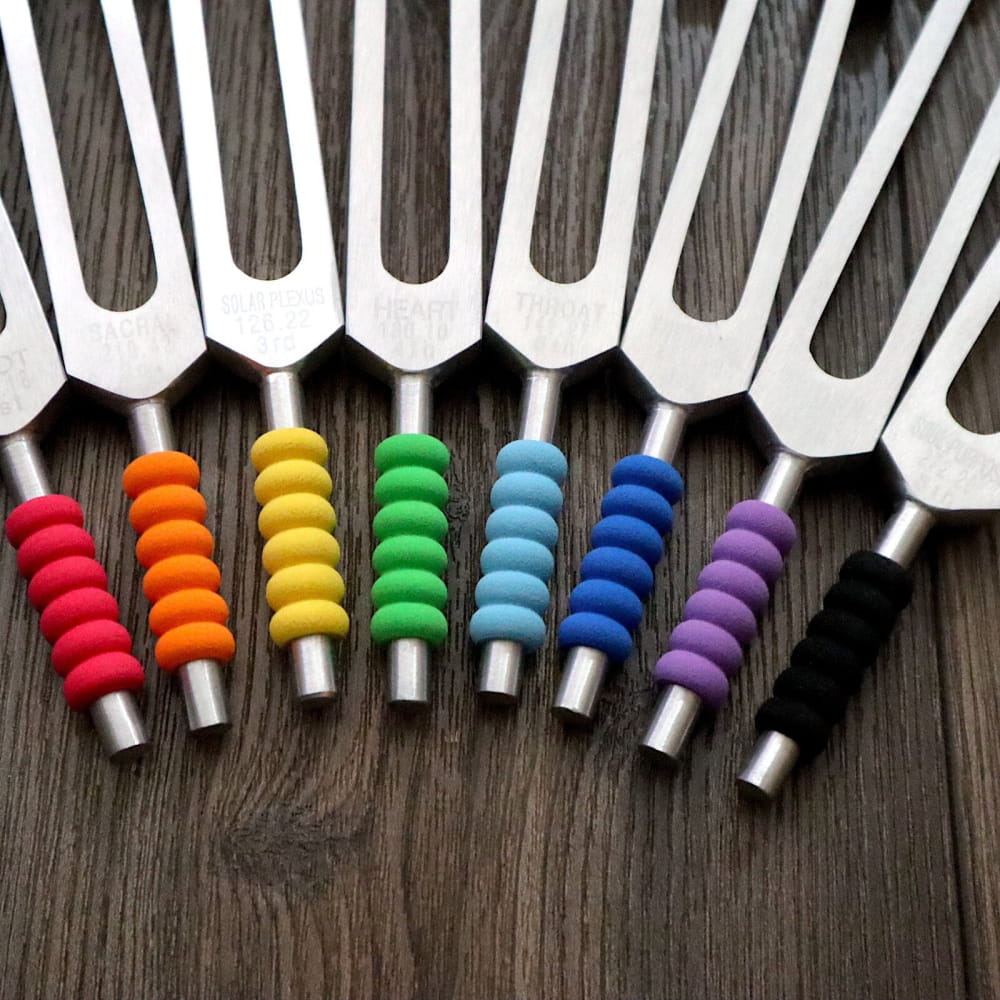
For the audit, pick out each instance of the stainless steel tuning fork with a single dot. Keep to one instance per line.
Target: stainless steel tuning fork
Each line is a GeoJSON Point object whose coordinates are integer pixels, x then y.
{"type": "Point", "coordinates": [137, 361]}
{"type": "Point", "coordinates": [686, 367]}
{"type": "Point", "coordinates": [413, 335]}
{"type": "Point", "coordinates": [553, 332]}
{"type": "Point", "coordinates": [91, 650]}
{"type": "Point", "coordinates": [809, 419]}
{"type": "Point", "coordinates": [943, 473]}
{"type": "Point", "coordinates": [275, 331]}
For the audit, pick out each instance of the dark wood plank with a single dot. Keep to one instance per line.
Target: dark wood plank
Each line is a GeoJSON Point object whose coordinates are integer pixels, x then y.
{"type": "Point", "coordinates": [481, 854]}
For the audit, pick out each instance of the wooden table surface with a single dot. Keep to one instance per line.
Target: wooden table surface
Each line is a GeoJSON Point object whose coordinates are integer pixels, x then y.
{"type": "Point", "coordinates": [490, 854]}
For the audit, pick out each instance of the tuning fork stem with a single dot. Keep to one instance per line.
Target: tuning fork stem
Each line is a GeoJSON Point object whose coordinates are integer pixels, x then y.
{"type": "Point", "coordinates": [678, 707]}
{"type": "Point", "coordinates": [501, 659]}
{"type": "Point", "coordinates": [408, 659]}
{"type": "Point", "coordinates": [775, 755]}
{"type": "Point", "coordinates": [200, 680]}
{"type": "Point", "coordinates": [313, 657]}
{"type": "Point", "coordinates": [586, 668]}
{"type": "Point", "coordinates": [115, 715]}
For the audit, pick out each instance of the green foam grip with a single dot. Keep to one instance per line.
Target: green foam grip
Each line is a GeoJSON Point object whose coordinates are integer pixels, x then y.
{"type": "Point", "coordinates": [410, 560]}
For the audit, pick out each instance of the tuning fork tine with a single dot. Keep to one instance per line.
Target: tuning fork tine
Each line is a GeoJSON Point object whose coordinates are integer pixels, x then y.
{"type": "Point", "coordinates": [413, 334]}
{"type": "Point", "coordinates": [617, 574]}
{"type": "Point", "coordinates": [810, 417]}
{"type": "Point", "coordinates": [136, 360]}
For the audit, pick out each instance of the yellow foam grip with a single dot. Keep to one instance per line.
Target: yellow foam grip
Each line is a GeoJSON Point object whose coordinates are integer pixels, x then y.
{"type": "Point", "coordinates": [305, 591]}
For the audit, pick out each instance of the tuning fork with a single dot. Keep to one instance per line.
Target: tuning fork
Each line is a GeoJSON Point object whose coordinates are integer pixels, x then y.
{"type": "Point", "coordinates": [627, 543]}
{"type": "Point", "coordinates": [554, 332]}
{"type": "Point", "coordinates": [91, 650]}
{"type": "Point", "coordinates": [809, 419]}
{"type": "Point", "coordinates": [943, 473]}
{"type": "Point", "coordinates": [413, 334]}
{"type": "Point", "coordinates": [275, 331]}
{"type": "Point", "coordinates": [137, 361]}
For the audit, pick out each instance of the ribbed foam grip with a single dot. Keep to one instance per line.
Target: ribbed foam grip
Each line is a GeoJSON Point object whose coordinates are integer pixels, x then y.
{"type": "Point", "coordinates": [617, 574]}
{"type": "Point", "coordinates": [842, 641]}
{"type": "Point", "coordinates": [410, 593]}
{"type": "Point", "coordinates": [521, 534]}
{"type": "Point", "coordinates": [174, 546]}
{"type": "Point", "coordinates": [305, 591]}
{"type": "Point", "coordinates": [91, 650]}
{"type": "Point", "coordinates": [720, 618]}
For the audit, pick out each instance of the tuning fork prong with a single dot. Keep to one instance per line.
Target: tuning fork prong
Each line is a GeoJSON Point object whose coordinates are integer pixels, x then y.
{"type": "Point", "coordinates": [809, 418]}
{"type": "Point", "coordinates": [137, 361]}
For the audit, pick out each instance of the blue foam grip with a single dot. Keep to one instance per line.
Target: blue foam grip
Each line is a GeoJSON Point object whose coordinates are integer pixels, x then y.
{"type": "Point", "coordinates": [617, 574]}
{"type": "Point", "coordinates": [619, 566]}
{"type": "Point", "coordinates": [611, 599]}
{"type": "Point", "coordinates": [522, 532]}
{"type": "Point", "coordinates": [585, 628]}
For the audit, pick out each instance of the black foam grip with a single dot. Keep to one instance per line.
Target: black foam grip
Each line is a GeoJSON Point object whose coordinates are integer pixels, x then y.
{"type": "Point", "coordinates": [797, 721]}
{"type": "Point", "coordinates": [841, 642]}
{"type": "Point", "coordinates": [881, 572]}
{"type": "Point", "coordinates": [864, 600]}
{"type": "Point", "coordinates": [848, 628]}
{"type": "Point", "coordinates": [831, 658]}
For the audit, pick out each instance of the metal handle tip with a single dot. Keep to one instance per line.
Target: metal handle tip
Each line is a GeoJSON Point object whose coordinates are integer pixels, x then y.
{"type": "Point", "coordinates": [773, 759]}
{"type": "Point", "coordinates": [580, 686]}
{"type": "Point", "coordinates": [409, 662]}
{"type": "Point", "coordinates": [672, 724]}
{"type": "Point", "coordinates": [314, 661]}
{"type": "Point", "coordinates": [204, 697]}
{"type": "Point", "coordinates": [118, 723]}
{"type": "Point", "coordinates": [500, 672]}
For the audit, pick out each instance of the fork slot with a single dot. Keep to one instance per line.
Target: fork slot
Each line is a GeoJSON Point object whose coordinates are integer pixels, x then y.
{"type": "Point", "coordinates": [827, 416]}
{"type": "Point", "coordinates": [548, 324]}
{"type": "Point", "coordinates": [405, 326]}
{"type": "Point", "coordinates": [942, 464]}
{"type": "Point", "coordinates": [658, 329]}
{"type": "Point", "coordinates": [260, 324]}
{"type": "Point", "coordinates": [34, 374]}
{"type": "Point", "coordinates": [135, 353]}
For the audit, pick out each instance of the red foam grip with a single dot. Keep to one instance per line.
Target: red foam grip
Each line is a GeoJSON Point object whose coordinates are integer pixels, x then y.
{"type": "Point", "coordinates": [76, 607]}
{"type": "Point", "coordinates": [87, 640]}
{"type": "Point", "coordinates": [29, 518]}
{"type": "Point", "coordinates": [91, 649]}
{"type": "Point", "coordinates": [63, 575]}
{"type": "Point", "coordinates": [101, 675]}
{"type": "Point", "coordinates": [54, 542]}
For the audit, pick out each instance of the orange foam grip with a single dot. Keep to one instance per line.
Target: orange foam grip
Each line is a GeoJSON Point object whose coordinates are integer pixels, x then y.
{"type": "Point", "coordinates": [182, 582]}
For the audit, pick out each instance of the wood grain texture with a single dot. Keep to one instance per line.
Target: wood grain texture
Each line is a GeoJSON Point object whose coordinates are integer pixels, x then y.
{"type": "Point", "coordinates": [479, 854]}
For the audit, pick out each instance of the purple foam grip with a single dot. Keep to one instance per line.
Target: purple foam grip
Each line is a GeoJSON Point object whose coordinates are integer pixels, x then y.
{"type": "Point", "coordinates": [738, 580]}
{"type": "Point", "coordinates": [767, 520]}
{"type": "Point", "coordinates": [721, 616]}
{"type": "Point", "coordinates": [708, 640]}
{"type": "Point", "coordinates": [724, 610]}
{"type": "Point", "coordinates": [753, 550]}
{"type": "Point", "coordinates": [695, 673]}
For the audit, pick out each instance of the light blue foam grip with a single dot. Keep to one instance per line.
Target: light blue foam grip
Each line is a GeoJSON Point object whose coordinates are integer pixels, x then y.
{"type": "Point", "coordinates": [617, 574]}
{"type": "Point", "coordinates": [521, 534]}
